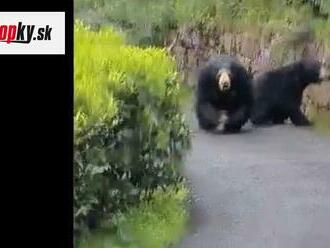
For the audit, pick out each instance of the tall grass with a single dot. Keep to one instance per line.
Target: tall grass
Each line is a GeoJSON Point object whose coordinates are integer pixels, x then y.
{"type": "Point", "coordinates": [157, 17]}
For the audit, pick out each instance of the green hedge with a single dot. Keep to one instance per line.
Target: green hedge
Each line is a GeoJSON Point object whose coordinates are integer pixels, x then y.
{"type": "Point", "coordinates": [130, 134]}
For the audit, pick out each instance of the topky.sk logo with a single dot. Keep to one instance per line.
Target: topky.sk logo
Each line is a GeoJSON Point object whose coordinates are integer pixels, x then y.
{"type": "Point", "coordinates": [32, 33]}
{"type": "Point", "coordinates": [21, 33]}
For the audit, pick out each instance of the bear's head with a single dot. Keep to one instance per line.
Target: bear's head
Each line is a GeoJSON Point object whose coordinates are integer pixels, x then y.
{"type": "Point", "coordinates": [310, 72]}
{"type": "Point", "coordinates": [316, 71]}
{"type": "Point", "coordinates": [224, 81]}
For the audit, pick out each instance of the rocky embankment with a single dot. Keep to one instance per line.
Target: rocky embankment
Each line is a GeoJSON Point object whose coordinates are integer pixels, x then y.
{"type": "Point", "coordinates": [192, 48]}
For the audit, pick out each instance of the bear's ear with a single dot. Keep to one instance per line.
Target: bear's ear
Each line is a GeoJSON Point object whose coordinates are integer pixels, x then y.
{"type": "Point", "coordinates": [251, 72]}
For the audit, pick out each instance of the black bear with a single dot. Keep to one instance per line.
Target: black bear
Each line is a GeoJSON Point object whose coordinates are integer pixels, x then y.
{"type": "Point", "coordinates": [224, 85]}
{"type": "Point", "coordinates": [277, 94]}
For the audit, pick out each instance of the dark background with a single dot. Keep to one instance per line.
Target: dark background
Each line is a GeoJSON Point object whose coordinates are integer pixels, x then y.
{"type": "Point", "coordinates": [37, 114]}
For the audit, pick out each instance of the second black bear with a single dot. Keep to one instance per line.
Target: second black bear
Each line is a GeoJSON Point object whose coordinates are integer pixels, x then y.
{"type": "Point", "coordinates": [224, 85]}
{"type": "Point", "coordinates": [277, 94]}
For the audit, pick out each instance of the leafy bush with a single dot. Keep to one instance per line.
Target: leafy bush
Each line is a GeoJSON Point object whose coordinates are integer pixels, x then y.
{"type": "Point", "coordinates": [157, 223]}
{"type": "Point", "coordinates": [130, 133]}
{"type": "Point", "coordinates": [154, 224]}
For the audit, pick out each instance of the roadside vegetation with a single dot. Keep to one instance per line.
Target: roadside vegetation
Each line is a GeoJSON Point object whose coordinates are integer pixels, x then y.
{"type": "Point", "coordinates": [129, 140]}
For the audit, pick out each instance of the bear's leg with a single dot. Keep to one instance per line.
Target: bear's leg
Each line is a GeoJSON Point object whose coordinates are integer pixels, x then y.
{"type": "Point", "coordinates": [236, 120]}
{"type": "Point", "coordinates": [232, 128]}
{"type": "Point", "coordinates": [278, 121]}
{"type": "Point", "coordinates": [298, 118]}
{"type": "Point", "coordinates": [278, 118]}
{"type": "Point", "coordinates": [208, 117]}
{"type": "Point", "coordinates": [260, 114]}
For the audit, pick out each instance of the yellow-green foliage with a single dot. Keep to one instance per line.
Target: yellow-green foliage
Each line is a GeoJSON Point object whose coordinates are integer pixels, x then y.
{"type": "Point", "coordinates": [104, 63]}
{"type": "Point", "coordinates": [92, 76]}
{"type": "Point", "coordinates": [158, 223]}
{"type": "Point", "coordinates": [130, 133]}
{"type": "Point", "coordinates": [154, 224]}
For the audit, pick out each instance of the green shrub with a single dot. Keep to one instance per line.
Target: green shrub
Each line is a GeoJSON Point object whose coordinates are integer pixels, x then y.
{"type": "Point", "coordinates": [156, 223]}
{"type": "Point", "coordinates": [152, 224]}
{"type": "Point", "coordinates": [129, 131]}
